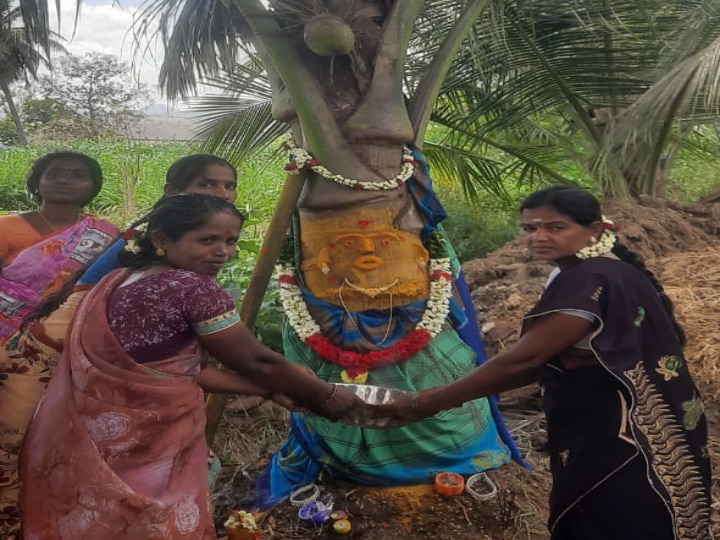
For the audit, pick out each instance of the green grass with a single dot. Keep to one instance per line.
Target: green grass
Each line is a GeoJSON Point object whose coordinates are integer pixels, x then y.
{"type": "Point", "coordinates": [134, 175]}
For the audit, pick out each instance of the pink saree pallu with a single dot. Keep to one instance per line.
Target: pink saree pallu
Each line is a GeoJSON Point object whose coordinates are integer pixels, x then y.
{"type": "Point", "coordinates": [116, 449]}
{"type": "Point", "coordinates": [41, 269]}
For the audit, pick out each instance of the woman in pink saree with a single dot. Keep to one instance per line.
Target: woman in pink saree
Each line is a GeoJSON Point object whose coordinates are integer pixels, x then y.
{"type": "Point", "coordinates": [116, 448]}
{"type": "Point", "coordinates": [39, 251]}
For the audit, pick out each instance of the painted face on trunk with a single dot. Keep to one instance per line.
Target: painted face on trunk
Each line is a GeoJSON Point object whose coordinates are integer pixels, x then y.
{"type": "Point", "coordinates": [362, 261]}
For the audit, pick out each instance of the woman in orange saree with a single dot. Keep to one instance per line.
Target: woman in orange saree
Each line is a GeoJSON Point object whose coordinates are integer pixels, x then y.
{"type": "Point", "coordinates": [116, 448]}
{"type": "Point", "coordinates": [40, 250]}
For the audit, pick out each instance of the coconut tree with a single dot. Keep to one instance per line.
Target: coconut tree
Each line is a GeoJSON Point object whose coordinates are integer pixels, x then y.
{"type": "Point", "coordinates": [367, 278]}
{"type": "Point", "coordinates": [24, 37]}
{"type": "Point", "coordinates": [356, 80]}
{"type": "Point", "coordinates": [617, 86]}
{"type": "Point", "coordinates": [515, 102]}
{"type": "Point", "coordinates": [683, 98]}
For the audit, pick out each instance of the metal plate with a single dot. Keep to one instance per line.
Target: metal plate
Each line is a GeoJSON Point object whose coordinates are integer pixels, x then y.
{"type": "Point", "coordinates": [373, 395]}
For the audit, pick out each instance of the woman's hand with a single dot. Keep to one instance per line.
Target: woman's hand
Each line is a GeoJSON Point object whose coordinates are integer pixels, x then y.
{"type": "Point", "coordinates": [409, 409]}
{"type": "Point", "coordinates": [337, 404]}
{"type": "Point", "coordinates": [287, 402]}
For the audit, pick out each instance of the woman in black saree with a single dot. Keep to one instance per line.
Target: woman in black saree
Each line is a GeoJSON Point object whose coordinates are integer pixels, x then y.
{"type": "Point", "coordinates": [626, 429]}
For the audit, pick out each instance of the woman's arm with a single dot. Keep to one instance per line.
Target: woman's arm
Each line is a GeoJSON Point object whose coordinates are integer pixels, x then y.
{"type": "Point", "coordinates": [513, 368]}
{"type": "Point", "coordinates": [219, 381]}
{"type": "Point", "coordinates": [239, 350]}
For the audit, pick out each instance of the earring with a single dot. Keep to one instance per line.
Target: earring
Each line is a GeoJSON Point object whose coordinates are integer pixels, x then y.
{"type": "Point", "coordinates": [160, 252]}
{"type": "Point", "coordinates": [593, 240]}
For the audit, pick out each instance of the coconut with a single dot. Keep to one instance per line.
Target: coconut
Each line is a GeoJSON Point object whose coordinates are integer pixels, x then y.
{"type": "Point", "coordinates": [328, 35]}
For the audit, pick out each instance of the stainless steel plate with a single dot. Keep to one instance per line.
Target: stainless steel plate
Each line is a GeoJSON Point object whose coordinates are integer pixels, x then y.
{"type": "Point", "coordinates": [373, 395]}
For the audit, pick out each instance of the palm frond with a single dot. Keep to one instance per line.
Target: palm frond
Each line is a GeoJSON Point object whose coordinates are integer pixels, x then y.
{"type": "Point", "coordinates": [36, 21]}
{"type": "Point", "coordinates": [237, 120]}
{"type": "Point", "coordinates": [689, 92]}
{"type": "Point", "coordinates": [236, 128]}
{"type": "Point", "coordinates": [494, 166]}
{"type": "Point", "coordinates": [201, 38]}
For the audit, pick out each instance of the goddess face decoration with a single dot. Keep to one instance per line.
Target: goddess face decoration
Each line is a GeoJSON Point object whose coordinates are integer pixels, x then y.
{"type": "Point", "coordinates": [361, 261]}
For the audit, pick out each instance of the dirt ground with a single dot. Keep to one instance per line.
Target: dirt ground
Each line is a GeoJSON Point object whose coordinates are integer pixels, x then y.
{"type": "Point", "coordinates": [680, 244]}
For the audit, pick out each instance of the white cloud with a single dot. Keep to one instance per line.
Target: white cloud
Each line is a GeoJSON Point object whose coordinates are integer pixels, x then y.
{"type": "Point", "coordinates": [107, 28]}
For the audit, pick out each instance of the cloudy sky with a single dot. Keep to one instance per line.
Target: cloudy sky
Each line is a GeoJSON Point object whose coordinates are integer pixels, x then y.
{"type": "Point", "coordinates": [107, 28]}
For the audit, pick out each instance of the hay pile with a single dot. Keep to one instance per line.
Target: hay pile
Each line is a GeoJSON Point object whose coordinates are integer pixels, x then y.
{"type": "Point", "coordinates": [692, 280]}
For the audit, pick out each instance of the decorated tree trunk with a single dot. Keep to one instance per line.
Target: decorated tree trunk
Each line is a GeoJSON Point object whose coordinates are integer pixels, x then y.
{"type": "Point", "coordinates": [371, 288]}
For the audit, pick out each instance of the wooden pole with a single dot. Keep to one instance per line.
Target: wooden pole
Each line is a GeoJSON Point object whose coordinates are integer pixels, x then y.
{"type": "Point", "coordinates": [253, 297]}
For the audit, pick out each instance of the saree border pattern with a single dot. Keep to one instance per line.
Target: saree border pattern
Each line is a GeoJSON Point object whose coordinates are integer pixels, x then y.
{"type": "Point", "coordinates": [218, 323]}
{"type": "Point", "coordinates": [672, 462]}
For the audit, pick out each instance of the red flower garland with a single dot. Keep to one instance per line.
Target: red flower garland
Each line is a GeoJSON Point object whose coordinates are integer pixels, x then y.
{"type": "Point", "coordinates": [357, 363]}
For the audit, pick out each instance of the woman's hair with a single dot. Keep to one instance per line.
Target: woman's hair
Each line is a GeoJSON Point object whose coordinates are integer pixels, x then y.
{"type": "Point", "coordinates": [584, 209]}
{"type": "Point", "coordinates": [173, 217]}
{"type": "Point", "coordinates": [577, 204]}
{"type": "Point", "coordinates": [186, 169]}
{"type": "Point", "coordinates": [41, 164]}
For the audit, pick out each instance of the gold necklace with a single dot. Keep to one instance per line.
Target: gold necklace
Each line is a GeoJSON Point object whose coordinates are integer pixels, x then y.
{"type": "Point", "coordinates": [352, 319]}
{"type": "Point", "coordinates": [372, 292]}
{"type": "Point", "coordinates": [46, 220]}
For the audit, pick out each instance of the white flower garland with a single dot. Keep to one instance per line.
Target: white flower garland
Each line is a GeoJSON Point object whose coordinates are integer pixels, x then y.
{"type": "Point", "coordinates": [300, 158]}
{"type": "Point", "coordinates": [432, 321]}
{"type": "Point", "coordinates": [438, 304]}
{"type": "Point", "coordinates": [604, 245]}
{"type": "Point", "coordinates": [131, 245]}
{"type": "Point", "coordinates": [294, 305]}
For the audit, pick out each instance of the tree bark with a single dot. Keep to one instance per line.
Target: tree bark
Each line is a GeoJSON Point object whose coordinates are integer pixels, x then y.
{"type": "Point", "coordinates": [15, 115]}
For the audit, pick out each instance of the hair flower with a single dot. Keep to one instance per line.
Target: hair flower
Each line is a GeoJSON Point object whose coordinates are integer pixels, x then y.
{"type": "Point", "coordinates": [604, 243]}
{"type": "Point", "coordinates": [132, 237]}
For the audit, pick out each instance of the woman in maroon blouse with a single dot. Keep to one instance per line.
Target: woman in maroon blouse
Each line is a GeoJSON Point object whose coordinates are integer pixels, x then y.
{"type": "Point", "coordinates": [116, 448]}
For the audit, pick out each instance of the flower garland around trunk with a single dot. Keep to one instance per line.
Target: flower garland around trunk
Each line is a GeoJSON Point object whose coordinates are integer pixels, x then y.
{"type": "Point", "coordinates": [299, 158]}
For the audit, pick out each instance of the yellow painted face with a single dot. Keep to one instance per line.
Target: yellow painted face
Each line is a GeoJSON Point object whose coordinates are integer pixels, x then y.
{"type": "Point", "coordinates": [362, 261]}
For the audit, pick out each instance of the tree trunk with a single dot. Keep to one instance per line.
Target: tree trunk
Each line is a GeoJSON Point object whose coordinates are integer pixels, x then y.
{"type": "Point", "coordinates": [15, 115]}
